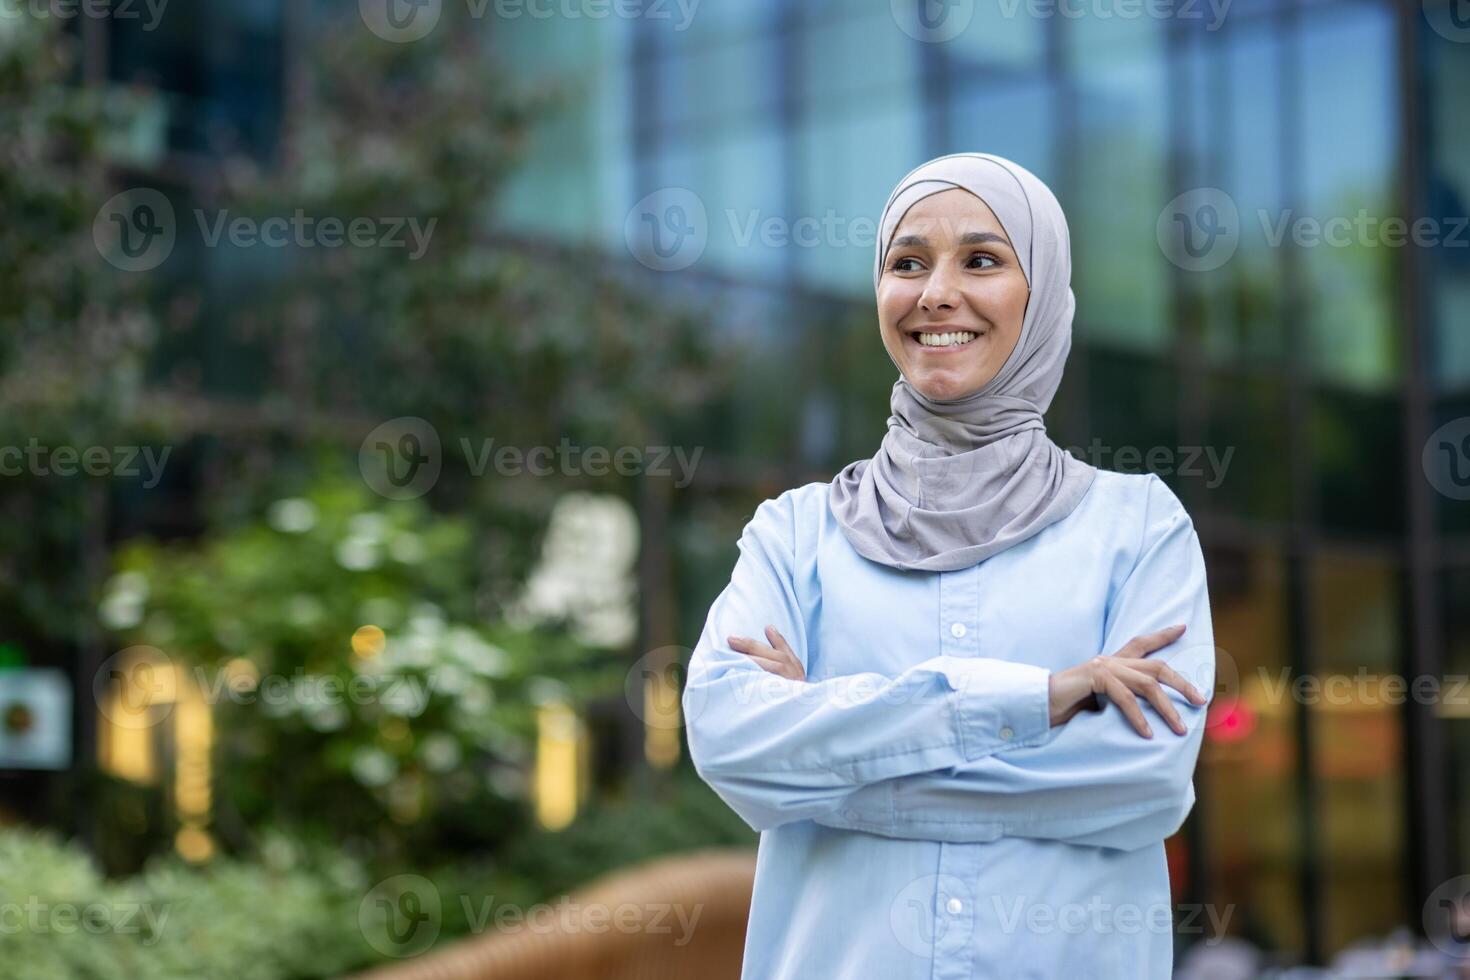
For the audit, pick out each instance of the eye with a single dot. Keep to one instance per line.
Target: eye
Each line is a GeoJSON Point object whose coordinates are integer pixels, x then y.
{"type": "Point", "coordinates": [898, 264]}
{"type": "Point", "coordinates": [987, 257]}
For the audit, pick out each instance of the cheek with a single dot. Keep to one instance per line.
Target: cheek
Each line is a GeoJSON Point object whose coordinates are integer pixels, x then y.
{"type": "Point", "coordinates": [893, 305]}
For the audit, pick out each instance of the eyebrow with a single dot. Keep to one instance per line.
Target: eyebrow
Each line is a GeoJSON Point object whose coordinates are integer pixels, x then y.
{"type": "Point", "coordinates": [970, 238]}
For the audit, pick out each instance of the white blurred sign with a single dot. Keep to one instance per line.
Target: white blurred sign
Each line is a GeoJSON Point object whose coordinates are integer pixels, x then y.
{"type": "Point", "coordinates": [35, 719]}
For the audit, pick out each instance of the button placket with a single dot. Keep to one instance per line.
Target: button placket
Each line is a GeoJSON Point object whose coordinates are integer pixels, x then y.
{"type": "Point", "coordinates": [956, 612]}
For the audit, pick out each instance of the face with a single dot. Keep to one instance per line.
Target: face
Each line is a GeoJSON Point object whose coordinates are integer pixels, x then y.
{"type": "Point", "coordinates": [951, 271]}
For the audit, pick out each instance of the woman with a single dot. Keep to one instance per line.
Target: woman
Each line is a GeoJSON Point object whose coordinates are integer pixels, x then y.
{"type": "Point", "coordinates": [943, 737]}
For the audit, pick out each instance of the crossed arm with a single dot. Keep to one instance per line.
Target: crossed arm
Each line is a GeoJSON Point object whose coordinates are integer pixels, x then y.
{"type": "Point", "coordinates": [955, 748]}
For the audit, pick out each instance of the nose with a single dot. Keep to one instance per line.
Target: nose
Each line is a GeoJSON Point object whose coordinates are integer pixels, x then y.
{"type": "Point", "coordinates": [941, 291]}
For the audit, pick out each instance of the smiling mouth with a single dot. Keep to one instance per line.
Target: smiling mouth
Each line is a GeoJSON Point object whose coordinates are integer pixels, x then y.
{"type": "Point", "coordinates": [949, 340]}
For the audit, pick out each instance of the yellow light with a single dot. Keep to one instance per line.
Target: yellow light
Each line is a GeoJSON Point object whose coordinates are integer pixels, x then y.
{"type": "Point", "coordinates": [194, 844]}
{"type": "Point", "coordinates": [144, 686]}
{"type": "Point", "coordinates": [661, 710]}
{"type": "Point", "coordinates": [559, 749]}
{"type": "Point", "coordinates": [369, 641]}
{"type": "Point", "coordinates": [242, 674]}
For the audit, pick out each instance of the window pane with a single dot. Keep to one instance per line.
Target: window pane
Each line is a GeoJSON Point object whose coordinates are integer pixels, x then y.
{"type": "Point", "coordinates": [1448, 180]}
{"type": "Point", "coordinates": [1013, 119]}
{"type": "Point", "coordinates": [1245, 447]}
{"type": "Point", "coordinates": [1356, 444]}
{"type": "Point", "coordinates": [1348, 140]}
{"type": "Point", "coordinates": [1120, 277]}
{"type": "Point", "coordinates": [1249, 762]}
{"type": "Point", "coordinates": [850, 160]}
{"type": "Point", "coordinates": [1243, 316]}
{"type": "Point", "coordinates": [1357, 738]}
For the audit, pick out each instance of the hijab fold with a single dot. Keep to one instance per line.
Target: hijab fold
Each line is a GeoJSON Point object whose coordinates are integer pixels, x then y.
{"type": "Point", "coordinates": [956, 481]}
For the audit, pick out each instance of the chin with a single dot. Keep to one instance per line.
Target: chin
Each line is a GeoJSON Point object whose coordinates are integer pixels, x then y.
{"type": "Point", "coordinates": [948, 385]}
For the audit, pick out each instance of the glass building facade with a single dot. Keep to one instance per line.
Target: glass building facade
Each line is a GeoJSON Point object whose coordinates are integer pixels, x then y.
{"type": "Point", "coordinates": [1313, 371]}
{"type": "Point", "coordinates": [1290, 392]}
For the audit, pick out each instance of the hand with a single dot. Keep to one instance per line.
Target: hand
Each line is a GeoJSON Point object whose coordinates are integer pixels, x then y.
{"type": "Point", "coordinates": [778, 658]}
{"type": "Point", "coordinates": [1121, 677]}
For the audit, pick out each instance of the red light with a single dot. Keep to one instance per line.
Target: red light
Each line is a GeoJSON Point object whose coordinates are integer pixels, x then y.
{"type": "Point", "coordinates": [1230, 720]}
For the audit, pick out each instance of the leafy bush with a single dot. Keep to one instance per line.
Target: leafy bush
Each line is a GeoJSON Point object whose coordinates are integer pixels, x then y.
{"type": "Point", "coordinates": [355, 692]}
{"type": "Point", "coordinates": [252, 921]}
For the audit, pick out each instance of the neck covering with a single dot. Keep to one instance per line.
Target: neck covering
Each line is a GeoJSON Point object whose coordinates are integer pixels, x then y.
{"type": "Point", "coordinates": [956, 481]}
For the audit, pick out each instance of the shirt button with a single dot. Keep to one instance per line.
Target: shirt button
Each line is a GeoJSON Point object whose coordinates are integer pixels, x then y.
{"type": "Point", "coordinates": [957, 630]}
{"type": "Point", "coordinates": [1007, 732]}
{"type": "Point", "coordinates": [955, 906]}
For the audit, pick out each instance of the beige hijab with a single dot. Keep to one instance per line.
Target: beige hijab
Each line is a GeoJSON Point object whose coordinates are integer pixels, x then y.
{"type": "Point", "coordinates": [959, 480]}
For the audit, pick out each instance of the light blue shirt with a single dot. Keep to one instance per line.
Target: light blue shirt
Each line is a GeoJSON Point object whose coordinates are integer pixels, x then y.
{"type": "Point", "coordinates": [919, 816]}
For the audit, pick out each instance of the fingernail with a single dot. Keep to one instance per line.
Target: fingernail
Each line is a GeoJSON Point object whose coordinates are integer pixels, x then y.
{"type": "Point", "coordinates": [1148, 732]}
{"type": "Point", "coordinates": [1179, 627]}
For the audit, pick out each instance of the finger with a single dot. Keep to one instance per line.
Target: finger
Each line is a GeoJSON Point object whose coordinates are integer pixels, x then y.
{"type": "Point", "coordinates": [767, 658]}
{"type": "Point", "coordinates": [1141, 683]}
{"type": "Point", "coordinates": [745, 644]}
{"type": "Point", "coordinates": [771, 666]}
{"type": "Point", "coordinates": [1128, 704]}
{"type": "Point", "coordinates": [779, 641]}
{"type": "Point", "coordinates": [1168, 675]}
{"type": "Point", "coordinates": [1147, 643]}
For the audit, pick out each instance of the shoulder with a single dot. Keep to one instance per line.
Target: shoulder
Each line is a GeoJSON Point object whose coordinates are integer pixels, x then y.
{"type": "Point", "coordinates": [1143, 514]}
{"type": "Point", "coordinates": [791, 515]}
{"type": "Point", "coordinates": [1143, 496]}
{"type": "Point", "coordinates": [793, 505]}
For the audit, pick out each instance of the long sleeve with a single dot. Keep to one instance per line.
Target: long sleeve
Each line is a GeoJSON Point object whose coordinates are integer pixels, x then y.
{"type": "Point", "coordinates": [1096, 780]}
{"type": "Point", "coordinates": [778, 750]}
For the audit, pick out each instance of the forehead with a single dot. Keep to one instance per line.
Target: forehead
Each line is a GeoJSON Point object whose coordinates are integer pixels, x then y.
{"type": "Point", "coordinates": [948, 215]}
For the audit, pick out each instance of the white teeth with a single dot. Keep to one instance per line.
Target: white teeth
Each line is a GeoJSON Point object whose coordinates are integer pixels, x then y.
{"type": "Point", "coordinates": [946, 339]}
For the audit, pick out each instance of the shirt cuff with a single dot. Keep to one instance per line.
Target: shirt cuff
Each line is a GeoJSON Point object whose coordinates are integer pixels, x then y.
{"type": "Point", "coordinates": [999, 705]}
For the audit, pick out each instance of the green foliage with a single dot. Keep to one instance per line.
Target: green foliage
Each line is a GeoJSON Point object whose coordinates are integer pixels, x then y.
{"type": "Point", "coordinates": [73, 335]}
{"type": "Point", "coordinates": [260, 921]}
{"type": "Point", "coordinates": [409, 749]}
{"type": "Point", "coordinates": [294, 910]}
